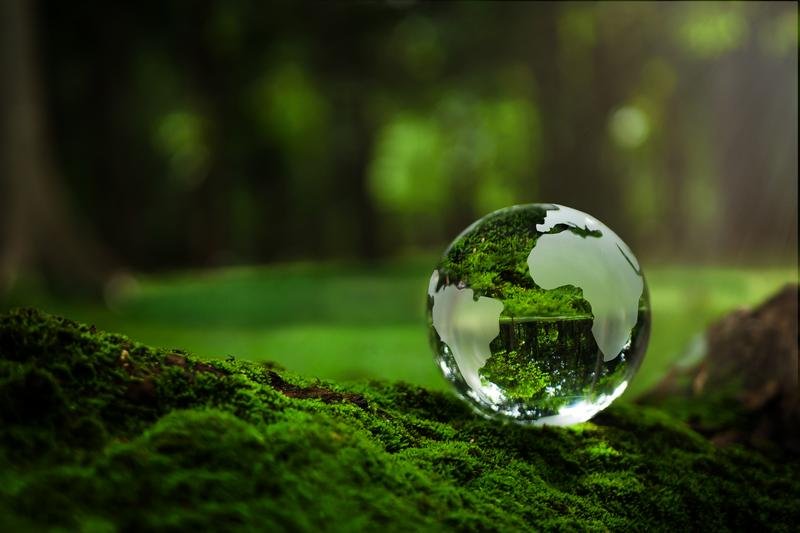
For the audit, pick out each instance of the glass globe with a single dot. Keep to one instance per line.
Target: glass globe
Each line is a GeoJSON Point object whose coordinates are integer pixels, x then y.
{"type": "Point", "coordinates": [539, 314]}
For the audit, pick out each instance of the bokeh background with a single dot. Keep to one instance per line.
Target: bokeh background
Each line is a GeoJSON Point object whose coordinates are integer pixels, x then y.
{"type": "Point", "coordinates": [276, 180]}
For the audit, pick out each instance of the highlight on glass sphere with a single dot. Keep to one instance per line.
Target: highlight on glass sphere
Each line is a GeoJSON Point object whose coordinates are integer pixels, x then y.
{"type": "Point", "coordinates": [539, 314]}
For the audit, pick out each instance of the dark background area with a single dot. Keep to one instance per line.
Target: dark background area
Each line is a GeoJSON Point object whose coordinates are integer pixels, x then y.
{"type": "Point", "coordinates": [214, 133]}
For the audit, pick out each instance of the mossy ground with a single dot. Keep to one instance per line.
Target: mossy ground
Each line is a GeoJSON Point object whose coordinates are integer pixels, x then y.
{"type": "Point", "coordinates": [101, 433]}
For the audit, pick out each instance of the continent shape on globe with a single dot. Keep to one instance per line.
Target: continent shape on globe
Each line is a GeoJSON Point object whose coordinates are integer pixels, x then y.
{"type": "Point", "coordinates": [603, 267]}
{"type": "Point", "coordinates": [467, 326]}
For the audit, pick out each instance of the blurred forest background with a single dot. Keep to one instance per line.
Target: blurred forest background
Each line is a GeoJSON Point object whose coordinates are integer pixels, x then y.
{"type": "Point", "coordinates": [349, 142]}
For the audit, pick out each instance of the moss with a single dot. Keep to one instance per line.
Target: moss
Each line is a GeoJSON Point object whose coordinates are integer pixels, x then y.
{"type": "Point", "coordinates": [519, 376]}
{"type": "Point", "coordinates": [100, 432]}
{"type": "Point", "coordinates": [542, 365]}
{"type": "Point", "coordinates": [565, 301]}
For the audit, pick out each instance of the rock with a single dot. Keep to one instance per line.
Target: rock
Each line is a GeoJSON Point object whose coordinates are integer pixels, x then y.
{"type": "Point", "coordinates": [751, 363]}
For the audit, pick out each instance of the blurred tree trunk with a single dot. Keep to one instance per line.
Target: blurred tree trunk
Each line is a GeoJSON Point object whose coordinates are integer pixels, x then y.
{"type": "Point", "coordinates": [355, 172]}
{"type": "Point", "coordinates": [39, 232]}
{"type": "Point", "coordinates": [754, 121]}
{"type": "Point", "coordinates": [581, 85]}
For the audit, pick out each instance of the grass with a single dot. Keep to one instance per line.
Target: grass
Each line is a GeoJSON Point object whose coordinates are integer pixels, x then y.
{"type": "Point", "coordinates": [345, 322]}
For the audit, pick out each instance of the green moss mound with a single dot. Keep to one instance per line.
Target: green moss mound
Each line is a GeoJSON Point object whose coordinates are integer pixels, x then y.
{"type": "Point", "coordinates": [98, 432]}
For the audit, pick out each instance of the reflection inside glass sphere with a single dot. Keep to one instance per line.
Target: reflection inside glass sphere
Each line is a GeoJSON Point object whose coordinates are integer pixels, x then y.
{"type": "Point", "coordinates": [539, 313]}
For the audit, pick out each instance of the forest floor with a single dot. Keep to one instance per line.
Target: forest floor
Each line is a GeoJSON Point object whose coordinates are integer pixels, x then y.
{"type": "Point", "coordinates": [99, 432]}
{"type": "Point", "coordinates": [102, 433]}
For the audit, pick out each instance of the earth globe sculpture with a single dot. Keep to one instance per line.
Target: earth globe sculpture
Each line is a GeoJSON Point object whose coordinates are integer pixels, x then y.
{"type": "Point", "coordinates": [538, 314]}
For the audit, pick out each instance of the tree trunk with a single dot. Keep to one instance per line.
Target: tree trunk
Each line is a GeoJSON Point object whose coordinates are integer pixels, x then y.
{"type": "Point", "coordinates": [39, 231]}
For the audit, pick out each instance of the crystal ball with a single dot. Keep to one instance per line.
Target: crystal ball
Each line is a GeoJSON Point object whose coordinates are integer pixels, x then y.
{"type": "Point", "coordinates": [539, 314]}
